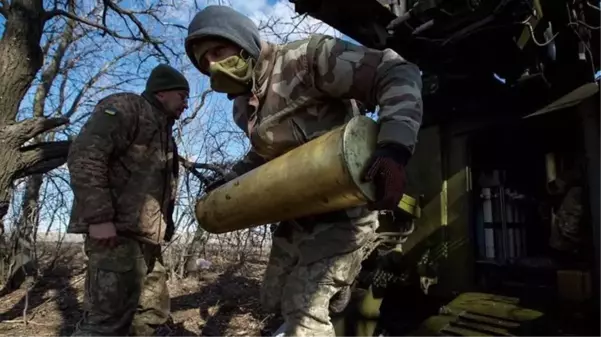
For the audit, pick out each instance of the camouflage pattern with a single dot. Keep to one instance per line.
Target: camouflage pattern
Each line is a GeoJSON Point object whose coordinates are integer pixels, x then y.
{"type": "Point", "coordinates": [301, 91]}
{"type": "Point", "coordinates": [125, 291]}
{"type": "Point", "coordinates": [309, 264]}
{"type": "Point", "coordinates": [566, 222]}
{"type": "Point", "coordinates": [123, 167]}
{"type": "Point", "coordinates": [304, 89]}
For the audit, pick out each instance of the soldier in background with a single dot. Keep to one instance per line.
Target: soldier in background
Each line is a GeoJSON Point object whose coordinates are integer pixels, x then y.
{"type": "Point", "coordinates": [124, 171]}
{"type": "Point", "coordinates": [286, 95]}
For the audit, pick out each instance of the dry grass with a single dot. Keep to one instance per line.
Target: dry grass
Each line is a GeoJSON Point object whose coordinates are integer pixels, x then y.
{"type": "Point", "coordinates": [221, 301]}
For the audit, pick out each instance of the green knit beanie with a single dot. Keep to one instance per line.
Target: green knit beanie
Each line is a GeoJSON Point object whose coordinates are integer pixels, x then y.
{"type": "Point", "coordinates": [164, 77]}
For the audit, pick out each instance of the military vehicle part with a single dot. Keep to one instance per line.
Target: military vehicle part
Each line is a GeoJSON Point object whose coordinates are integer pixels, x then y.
{"type": "Point", "coordinates": [468, 314]}
{"type": "Point", "coordinates": [480, 314]}
{"type": "Point", "coordinates": [489, 58]}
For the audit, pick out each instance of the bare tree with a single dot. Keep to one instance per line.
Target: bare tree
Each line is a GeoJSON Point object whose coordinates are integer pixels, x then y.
{"type": "Point", "coordinates": [21, 58]}
{"type": "Point", "coordinates": [205, 144]}
{"type": "Point", "coordinates": [39, 143]}
{"type": "Point", "coordinates": [68, 80]}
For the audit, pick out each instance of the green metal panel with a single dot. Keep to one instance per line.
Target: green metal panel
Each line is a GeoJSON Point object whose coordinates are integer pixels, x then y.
{"type": "Point", "coordinates": [481, 314]}
{"type": "Point", "coordinates": [439, 173]}
{"type": "Point", "coordinates": [457, 260]}
{"type": "Point", "coordinates": [425, 178]}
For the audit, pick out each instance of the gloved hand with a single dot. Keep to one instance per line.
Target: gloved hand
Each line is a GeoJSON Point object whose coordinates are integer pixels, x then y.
{"type": "Point", "coordinates": [387, 170]}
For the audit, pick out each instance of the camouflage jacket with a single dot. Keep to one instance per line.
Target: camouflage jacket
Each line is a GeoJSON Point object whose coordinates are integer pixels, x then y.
{"type": "Point", "coordinates": [305, 88]}
{"type": "Point", "coordinates": [123, 167]}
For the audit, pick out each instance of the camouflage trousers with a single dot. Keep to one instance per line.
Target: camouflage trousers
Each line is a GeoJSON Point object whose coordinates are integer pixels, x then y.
{"type": "Point", "coordinates": [309, 264]}
{"type": "Point", "coordinates": [125, 291]}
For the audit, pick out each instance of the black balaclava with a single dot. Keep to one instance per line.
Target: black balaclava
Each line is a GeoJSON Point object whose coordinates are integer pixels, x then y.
{"type": "Point", "coordinates": [226, 23]}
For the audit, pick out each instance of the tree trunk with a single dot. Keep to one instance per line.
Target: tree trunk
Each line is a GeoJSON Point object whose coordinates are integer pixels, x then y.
{"type": "Point", "coordinates": [22, 262]}
{"type": "Point", "coordinates": [21, 57]}
{"type": "Point", "coordinates": [30, 208]}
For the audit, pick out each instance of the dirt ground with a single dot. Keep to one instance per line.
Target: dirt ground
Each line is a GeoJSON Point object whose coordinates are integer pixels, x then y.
{"type": "Point", "coordinates": [221, 301]}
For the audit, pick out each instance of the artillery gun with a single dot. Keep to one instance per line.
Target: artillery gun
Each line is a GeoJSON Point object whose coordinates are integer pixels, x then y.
{"type": "Point", "coordinates": [478, 56]}
{"type": "Point", "coordinates": [511, 103]}
{"type": "Point", "coordinates": [400, 262]}
{"type": "Point", "coordinates": [510, 96]}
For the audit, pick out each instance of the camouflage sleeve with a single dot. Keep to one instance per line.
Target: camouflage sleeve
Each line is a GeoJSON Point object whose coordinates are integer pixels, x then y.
{"type": "Point", "coordinates": [251, 160]}
{"type": "Point", "coordinates": [109, 128]}
{"type": "Point", "coordinates": [375, 77]}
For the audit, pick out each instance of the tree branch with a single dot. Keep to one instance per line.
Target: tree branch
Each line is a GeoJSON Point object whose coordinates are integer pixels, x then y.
{"type": "Point", "coordinates": [198, 107]}
{"type": "Point", "coordinates": [77, 100]}
{"type": "Point", "coordinates": [42, 157]}
{"type": "Point", "coordinates": [199, 175]}
{"type": "Point", "coordinates": [50, 73]}
{"type": "Point", "coordinates": [59, 12]}
{"type": "Point", "coordinates": [192, 168]}
{"type": "Point", "coordinates": [140, 26]}
{"type": "Point", "coordinates": [122, 12]}
{"type": "Point", "coordinates": [19, 133]}
{"type": "Point", "coordinates": [191, 165]}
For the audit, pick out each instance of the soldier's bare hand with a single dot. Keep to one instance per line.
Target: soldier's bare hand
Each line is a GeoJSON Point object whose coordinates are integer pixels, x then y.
{"type": "Point", "coordinates": [104, 233]}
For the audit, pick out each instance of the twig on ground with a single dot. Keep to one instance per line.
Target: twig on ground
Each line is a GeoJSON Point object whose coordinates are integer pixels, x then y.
{"type": "Point", "coordinates": [20, 321]}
